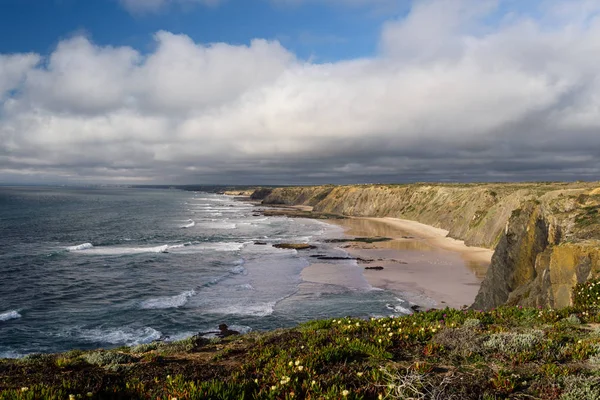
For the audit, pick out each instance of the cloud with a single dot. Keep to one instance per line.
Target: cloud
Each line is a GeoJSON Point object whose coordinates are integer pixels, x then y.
{"type": "Point", "coordinates": [13, 69]}
{"type": "Point", "coordinates": [152, 6]}
{"type": "Point", "coordinates": [516, 99]}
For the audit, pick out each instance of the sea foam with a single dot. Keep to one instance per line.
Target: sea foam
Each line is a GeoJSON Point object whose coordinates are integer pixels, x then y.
{"type": "Point", "coordinates": [83, 246]}
{"type": "Point", "coordinates": [161, 303]}
{"type": "Point", "coordinates": [11, 354]}
{"type": "Point", "coordinates": [255, 310]}
{"type": "Point", "coordinates": [127, 336]}
{"type": "Point", "coordinates": [13, 314]}
{"type": "Point", "coordinates": [116, 251]}
{"type": "Point", "coordinates": [190, 224]}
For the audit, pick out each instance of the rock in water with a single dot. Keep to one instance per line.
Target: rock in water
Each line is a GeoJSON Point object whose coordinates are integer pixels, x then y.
{"type": "Point", "coordinates": [294, 246]}
{"type": "Point", "coordinates": [225, 331]}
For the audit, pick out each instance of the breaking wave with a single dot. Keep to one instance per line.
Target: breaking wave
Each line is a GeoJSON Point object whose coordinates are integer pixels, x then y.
{"type": "Point", "coordinates": [79, 247]}
{"type": "Point", "coordinates": [87, 248]}
{"type": "Point", "coordinates": [127, 336]}
{"type": "Point", "coordinates": [255, 310]}
{"type": "Point", "coordinates": [13, 314]}
{"type": "Point", "coordinates": [161, 303]}
{"type": "Point", "coordinates": [191, 224]}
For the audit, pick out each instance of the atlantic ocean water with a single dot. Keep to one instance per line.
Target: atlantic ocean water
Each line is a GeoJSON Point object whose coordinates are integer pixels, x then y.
{"type": "Point", "coordinates": [104, 267]}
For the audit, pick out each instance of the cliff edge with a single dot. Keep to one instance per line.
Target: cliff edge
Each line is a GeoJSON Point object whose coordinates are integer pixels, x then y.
{"type": "Point", "coordinates": [546, 236]}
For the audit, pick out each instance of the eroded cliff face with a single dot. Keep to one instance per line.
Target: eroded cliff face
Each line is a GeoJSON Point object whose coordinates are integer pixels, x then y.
{"type": "Point", "coordinates": [550, 247]}
{"type": "Point", "coordinates": [546, 235]}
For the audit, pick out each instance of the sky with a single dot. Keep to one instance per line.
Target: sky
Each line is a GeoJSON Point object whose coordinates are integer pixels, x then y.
{"type": "Point", "coordinates": [298, 91]}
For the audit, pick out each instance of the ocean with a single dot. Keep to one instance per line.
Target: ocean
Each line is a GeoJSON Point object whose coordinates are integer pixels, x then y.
{"type": "Point", "coordinates": [97, 267]}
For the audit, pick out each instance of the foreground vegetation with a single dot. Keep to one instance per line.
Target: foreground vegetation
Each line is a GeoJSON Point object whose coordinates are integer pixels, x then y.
{"type": "Point", "coordinates": [510, 352]}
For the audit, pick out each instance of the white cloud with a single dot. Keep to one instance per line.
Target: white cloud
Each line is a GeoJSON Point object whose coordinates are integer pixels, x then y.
{"type": "Point", "coordinates": [521, 99]}
{"type": "Point", "coordinates": [434, 29]}
{"type": "Point", "coordinates": [13, 69]}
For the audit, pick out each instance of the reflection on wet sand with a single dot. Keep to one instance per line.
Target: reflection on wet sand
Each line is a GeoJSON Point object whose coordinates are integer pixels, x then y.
{"type": "Point", "coordinates": [402, 240]}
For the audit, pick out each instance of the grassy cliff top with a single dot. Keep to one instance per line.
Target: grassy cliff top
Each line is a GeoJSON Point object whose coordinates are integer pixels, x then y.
{"type": "Point", "coordinates": [510, 352]}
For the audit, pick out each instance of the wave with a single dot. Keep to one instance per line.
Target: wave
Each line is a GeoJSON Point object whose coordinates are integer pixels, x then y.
{"type": "Point", "coordinates": [191, 224]}
{"type": "Point", "coordinates": [220, 225]}
{"type": "Point", "coordinates": [116, 251]}
{"type": "Point", "coordinates": [161, 303]}
{"type": "Point", "coordinates": [83, 246]}
{"type": "Point", "coordinates": [126, 336]}
{"type": "Point", "coordinates": [224, 246]}
{"type": "Point", "coordinates": [399, 308]}
{"type": "Point", "coordinates": [245, 286]}
{"type": "Point", "coordinates": [11, 354]}
{"type": "Point", "coordinates": [8, 315]}
{"type": "Point", "coordinates": [200, 247]}
{"type": "Point", "coordinates": [255, 310]}
{"type": "Point", "coordinates": [180, 246]}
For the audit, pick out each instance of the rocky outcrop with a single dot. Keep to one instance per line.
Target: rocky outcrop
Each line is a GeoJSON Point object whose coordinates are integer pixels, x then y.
{"type": "Point", "coordinates": [546, 235]}
{"type": "Point", "coordinates": [513, 262]}
{"type": "Point", "coordinates": [261, 194]}
{"type": "Point", "coordinates": [558, 269]}
{"type": "Point", "coordinates": [549, 245]}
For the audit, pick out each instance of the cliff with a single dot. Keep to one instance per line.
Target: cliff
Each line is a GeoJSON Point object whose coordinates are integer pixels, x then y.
{"type": "Point", "coordinates": [546, 235]}
{"type": "Point", "coordinates": [549, 245]}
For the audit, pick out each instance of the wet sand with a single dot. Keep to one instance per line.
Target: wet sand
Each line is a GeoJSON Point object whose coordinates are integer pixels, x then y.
{"type": "Point", "coordinates": [420, 263]}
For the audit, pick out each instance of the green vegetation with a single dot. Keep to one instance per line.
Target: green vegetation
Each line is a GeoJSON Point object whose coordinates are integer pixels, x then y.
{"type": "Point", "coordinates": [586, 296]}
{"type": "Point", "coordinates": [509, 352]}
{"type": "Point", "coordinates": [588, 216]}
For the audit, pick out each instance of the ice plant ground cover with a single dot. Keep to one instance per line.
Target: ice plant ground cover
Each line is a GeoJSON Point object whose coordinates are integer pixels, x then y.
{"type": "Point", "coordinates": [509, 352]}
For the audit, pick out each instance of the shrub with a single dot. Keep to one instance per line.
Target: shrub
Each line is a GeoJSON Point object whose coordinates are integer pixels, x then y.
{"type": "Point", "coordinates": [472, 323]}
{"type": "Point", "coordinates": [145, 347]}
{"type": "Point", "coordinates": [182, 346]}
{"type": "Point", "coordinates": [578, 388]}
{"type": "Point", "coordinates": [572, 320]}
{"type": "Point", "coordinates": [513, 343]}
{"type": "Point", "coordinates": [461, 341]}
{"type": "Point", "coordinates": [104, 358]}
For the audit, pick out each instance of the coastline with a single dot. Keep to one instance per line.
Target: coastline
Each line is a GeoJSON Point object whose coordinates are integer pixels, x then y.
{"type": "Point", "coordinates": [419, 263]}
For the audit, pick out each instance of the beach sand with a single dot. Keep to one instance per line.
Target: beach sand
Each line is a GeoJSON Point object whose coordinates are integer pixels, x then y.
{"type": "Point", "coordinates": [420, 263]}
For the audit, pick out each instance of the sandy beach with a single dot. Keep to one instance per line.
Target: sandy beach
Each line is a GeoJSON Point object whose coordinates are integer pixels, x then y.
{"type": "Point", "coordinates": [420, 263]}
